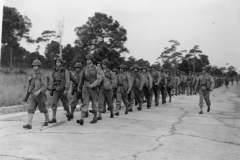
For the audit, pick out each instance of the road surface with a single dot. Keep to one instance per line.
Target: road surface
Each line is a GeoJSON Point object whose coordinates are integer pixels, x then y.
{"type": "Point", "coordinates": [173, 131]}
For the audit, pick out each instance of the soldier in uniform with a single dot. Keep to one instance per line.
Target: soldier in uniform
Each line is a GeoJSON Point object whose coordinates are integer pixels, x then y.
{"type": "Point", "coordinates": [130, 95]}
{"type": "Point", "coordinates": [37, 98]}
{"type": "Point", "coordinates": [206, 83]}
{"type": "Point", "coordinates": [180, 82]}
{"type": "Point", "coordinates": [189, 83]}
{"type": "Point", "coordinates": [138, 82]}
{"type": "Point", "coordinates": [194, 80]}
{"type": "Point", "coordinates": [175, 84]}
{"type": "Point", "coordinates": [61, 84]}
{"type": "Point", "coordinates": [106, 89]}
{"type": "Point", "coordinates": [76, 95]}
{"type": "Point", "coordinates": [170, 82]}
{"type": "Point", "coordinates": [147, 88]}
{"type": "Point", "coordinates": [184, 84]}
{"type": "Point", "coordinates": [156, 81]}
{"type": "Point", "coordinates": [89, 84]}
{"type": "Point", "coordinates": [226, 82]}
{"type": "Point", "coordinates": [115, 73]}
{"type": "Point", "coordinates": [163, 86]}
{"type": "Point", "coordinates": [237, 80]}
{"type": "Point", "coordinates": [123, 88]}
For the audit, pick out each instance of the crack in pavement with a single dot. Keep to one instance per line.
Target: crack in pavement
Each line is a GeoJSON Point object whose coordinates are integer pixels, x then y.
{"type": "Point", "coordinates": [25, 158]}
{"type": "Point", "coordinates": [172, 132]}
{"type": "Point", "coordinates": [207, 139]}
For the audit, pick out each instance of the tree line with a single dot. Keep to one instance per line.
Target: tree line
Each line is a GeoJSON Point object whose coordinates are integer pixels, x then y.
{"type": "Point", "coordinates": [101, 36]}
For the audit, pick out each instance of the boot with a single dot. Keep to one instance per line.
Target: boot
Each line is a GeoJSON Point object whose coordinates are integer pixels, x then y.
{"type": "Point", "coordinates": [27, 126]}
{"type": "Point", "coordinates": [53, 121]}
{"type": "Point", "coordinates": [208, 109]}
{"type": "Point", "coordinates": [117, 114]}
{"type": "Point", "coordinates": [94, 120]}
{"type": "Point", "coordinates": [111, 115]}
{"type": "Point", "coordinates": [86, 115]}
{"type": "Point", "coordinates": [201, 112]}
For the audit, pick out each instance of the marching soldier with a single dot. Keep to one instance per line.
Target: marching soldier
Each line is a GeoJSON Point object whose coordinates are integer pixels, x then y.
{"type": "Point", "coordinates": [226, 82]}
{"type": "Point", "coordinates": [206, 83]}
{"type": "Point", "coordinates": [170, 82]}
{"type": "Point", "coordinates": [123, 88]}
{"type": "Point", "coordinates": [184, 84]}
{"type": "Point", "coordinates": [37, 98]}
{"type": "Point", "coordinates": [147, 88]}
{"type": "Point", "coordinates": [163, 86]}
{"type": "Point", "coordinates": [61, 83]}
{"type": "Point", "coordinates": [156, 81]}
{"type": "Point", "coordinates": [131, 95]}
{"type": "Point", "coordinates": [138, 81]}
{"type": "Point", "coordinates": [189, 83]}
{"type": "Point", "coordinates": [115, 73]}
{"type": "Point", "coordinates": [194, 80]}
{"type": "Point", "coordinates": [175, 84]}
{"type": "Point", "coordinates": [76, 95]}
{"type": "Point", "coordinates": [106, 89]}
{"type": "Point", "coordinates": [90, 80]}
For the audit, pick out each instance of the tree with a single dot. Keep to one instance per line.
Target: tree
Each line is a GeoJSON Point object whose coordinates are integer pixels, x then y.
{"type": "Point", "coordinates": [170, 57]}
{"type": "Point", "coordinates": [112, 55]}
{"type": "Point", "coordinates": [51, 52]}
{"type": "Point", "coordinates": [141, 62]}
{"type": "Point", "coordinates": [14, 27]}
{"type": "Point", "coordinates": [68, 54]}
{"type": "Point", "coordinates": [101, 30]}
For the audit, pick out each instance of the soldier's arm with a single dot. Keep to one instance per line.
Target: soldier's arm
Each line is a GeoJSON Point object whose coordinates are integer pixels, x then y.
{"type": "Point", "coordinates": [211, 82]}
{"type": "Point", "coordinates": [43, 88]}
{"type": "Point", "coordinates": [99, 77]}
{"type": "Point", "coordinates": [197, 81]}
{"type": "Point", "coordinates": [113, 78]}
{"type": "Point", "coordinates": [129, 83]}
{"type": "Point", "coordinates": [142, 81]}
{"type": "Point", "coordinates": [80, 84]}
{"type": "Point", "coordinates": [150, 80]}
{"type": "Point", "coordinates": [67, 84]}
{"type": "Point", "coordinates": [159, 77]}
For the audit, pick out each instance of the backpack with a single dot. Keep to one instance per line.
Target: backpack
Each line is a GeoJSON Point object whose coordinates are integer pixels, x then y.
{"type": "Point", "coordinates": [49, 80]}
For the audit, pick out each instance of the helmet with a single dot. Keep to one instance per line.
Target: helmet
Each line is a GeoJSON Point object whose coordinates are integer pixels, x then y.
{"type": "Point", "coordinates": [105, 62]}
{"type": "Point", "coordinates": [153, 66]}
{"type": "Point", "coordinates": [149, 69]}
{"type": "Point", "coordinates": [90, 57]}
{"type": "Point", "coordinates": [144, 67]}
{"type": "Point", "coordinates": [37, 63]}
{"type": "Point", "coordinates": [204, 68]}
{"type": "Point", "coordinates": [167, 71]}
{"type": "Point", "coordinates": [131, 68]}
{"type": "Point", "coordinates": [122, 66]}
{"type": "Point", "coordinates": [78, 65]}
{"type": "Point", "coordinates": [59, 59]}
{"type": "Point", "coordinates": [135, 66]}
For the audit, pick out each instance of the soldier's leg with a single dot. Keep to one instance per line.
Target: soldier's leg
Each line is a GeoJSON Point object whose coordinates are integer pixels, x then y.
{"type": "Point", "coordinates": [131, 99]}
{"type": "Point", "coordinates": [94, 97]}
{"type": "Point", "coordinates": [147, 95]}
{"type": "Point", "coordinates": [201, 95]}
{"type": "Point", "coordinates": [65, 104]}
{"type": "Point", "coordinates": [41, 102]}
{"type": "Point", "coordinates": [75, 99]}
{"type": "Point", "coordinates": [32, 105]}
{"type": "Point", "coordinates": [119, 100]}
{"type": "Point", "coordinates": [138, 97]}
{"type": "Point", "coordinates": [169, 93]}
{"type": "Point", "coordinates": [85, 105]}
{"type": "Point", "coordinates": [101, 103]}
{"type": "Point", "coordinates": [207, 100]}
{"type": "Point", "coordinates": [125, 99]}
{"type": "Point", "coordinates": [108, 99]}
{"type": "Point", "coordinates": [54, 106]}
{"type": "Point", "coordinates": [156, 92]}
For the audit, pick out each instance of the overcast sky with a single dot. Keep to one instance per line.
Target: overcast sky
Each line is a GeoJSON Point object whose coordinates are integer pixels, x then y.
{"type": "Point", "coordinates": [214, 25]}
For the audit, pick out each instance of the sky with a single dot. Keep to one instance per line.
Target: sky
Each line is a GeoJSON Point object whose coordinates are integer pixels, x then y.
{"type": "Point", "coordinates": [214, 25]}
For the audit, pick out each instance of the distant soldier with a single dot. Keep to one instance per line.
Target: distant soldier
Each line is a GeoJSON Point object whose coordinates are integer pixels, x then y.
{"type": "Point", "coordinates": [170, 84]}
{"type": "Point", "coordinates": [37, 88]}
{"type": "Point", "coordinates": [106, 89]}
{"type": "Point", "coordinates": [175, 84]}
{"type": "Point", "coordinates": [123, 88]}
{"type": "Point", "coordinates": [61, 84]}
{"type": "Point", "coordinates": [131, 95]}
{"type": "Point", "coordinates": [206, 83]}
{"type": "Point", "coordinates": [138, 81]}
{"type": "Point", "coordinates": [194, 80]}
{"type": "Point", "coordinates": [147, 88]}
{"type": "Point", "coordinates": [226, 82]}
{"type": "Point", "coordinates": [76, 94]}
{"type": "Point", "coordinates": [189, 83]}
{"type": "Point", "coordinates": [232, 81]}
{"type": "Point", "coordinates": [163, 85]}
{"type": "Point", "coordinates": [115, 73]}
{"type": "Point", "coordinates": [156, 81]}
{"type": "Point", "coordinates": [237, 80]}
{"type": "Point", "coordinates": [89, 83]}
{"type": "Point", "coordinates": [184, 84]}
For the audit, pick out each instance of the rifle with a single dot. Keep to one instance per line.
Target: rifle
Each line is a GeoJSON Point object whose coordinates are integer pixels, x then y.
{"type": "Point", "coordinates": [29, 90]}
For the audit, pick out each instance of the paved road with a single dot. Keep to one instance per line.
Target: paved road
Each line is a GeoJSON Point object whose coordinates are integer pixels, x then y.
{"type": "Point", "coordinates": [174, 131]}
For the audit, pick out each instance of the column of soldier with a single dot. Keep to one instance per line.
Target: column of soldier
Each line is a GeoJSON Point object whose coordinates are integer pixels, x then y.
{"type": "Point", "coordinates": [102, 86]}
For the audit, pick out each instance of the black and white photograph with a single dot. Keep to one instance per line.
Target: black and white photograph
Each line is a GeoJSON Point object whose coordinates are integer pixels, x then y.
{"type": "Point", "coordinates": [120, 80]}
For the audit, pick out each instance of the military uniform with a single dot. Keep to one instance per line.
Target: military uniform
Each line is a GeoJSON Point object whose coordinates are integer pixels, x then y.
{"type": "Point", "coordinates": [170, 83]}
{"type": "Point", "coordinates": [123, 88]}
{"type": "Point", "coordinates": [175, 79]}
{"type": "Point", "coordinates": [106, 90]}
{"type": "Point", "coordinates": [206, 83]}
{"type": "Point", "coordinates": [147, 87]}
{"type": "Point", "coordinates": [61, 84]}
{"type": "Point", "coordinates": [138, 82]}
{"type": "Point", "coordinates": [76, 95]}
{"type": "Point", "coordinates": [163, 86]}
{"type": "Point", "coordinates": [189, 83]}
{"type": "Point", "coordinates": [155, 87]}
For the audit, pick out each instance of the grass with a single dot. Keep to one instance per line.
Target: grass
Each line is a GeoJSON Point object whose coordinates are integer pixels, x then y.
{"type": "Point", "coordinates": [13, 87]}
